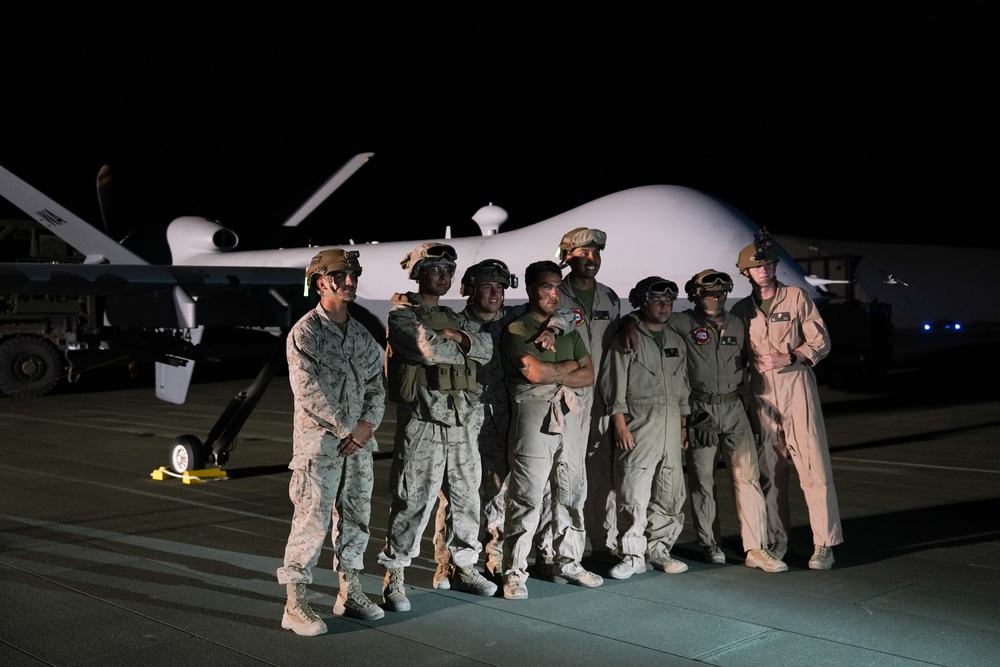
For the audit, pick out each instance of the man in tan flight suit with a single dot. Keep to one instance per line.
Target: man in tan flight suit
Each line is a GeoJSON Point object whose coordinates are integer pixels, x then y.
{"type": "Point", "coordinates": [787, 337]}
{"type": "Point", "coordinates": [431, 371]}
{"type": "Point", "coordinates": [335, 371]}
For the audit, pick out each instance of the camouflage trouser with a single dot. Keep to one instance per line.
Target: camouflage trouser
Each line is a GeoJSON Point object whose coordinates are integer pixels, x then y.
{"type": "Point", "coordinates": [539, 458]}
{"type": "Point", "coordinates": [324, 490]}
{"type": "Point", "coordinates": [650, 484]}
{"type": "Point", "coordinates": [428, 458]}
{"type": "Point", "coordinates": [493, 454]}
{"type": "Point", "coordinates": [715, 430]}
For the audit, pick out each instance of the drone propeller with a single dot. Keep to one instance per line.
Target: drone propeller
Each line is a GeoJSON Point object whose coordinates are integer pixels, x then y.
{"type": "Point", "coordinates": [327, 188]}
{"type": "Point", "coordinates": [106, 201]}
{"type": "Point", "coordinates": [104, 196]}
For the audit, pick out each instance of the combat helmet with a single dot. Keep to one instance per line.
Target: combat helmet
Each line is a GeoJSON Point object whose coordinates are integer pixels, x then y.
{"type": "Point", "coordinates": [758, 253]}
{"type": "Point", "coordinates": [427, 254]}
{"type": "Point", "coordinates": [708, 280]}
{"type": "Point", "coordinates": [332, 260]}
{"type": "Point", "coordinates": [649, 287]}
{"type": "Point", "coordinates": [486, 271]}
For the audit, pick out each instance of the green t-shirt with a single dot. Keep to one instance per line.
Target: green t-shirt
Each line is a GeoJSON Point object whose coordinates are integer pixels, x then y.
{"type": "Point", "coordinates": [519, 337]}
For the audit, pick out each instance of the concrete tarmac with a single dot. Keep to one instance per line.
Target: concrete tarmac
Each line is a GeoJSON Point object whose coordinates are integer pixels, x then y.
{"type": "Point", "coordinates": [102, 565]}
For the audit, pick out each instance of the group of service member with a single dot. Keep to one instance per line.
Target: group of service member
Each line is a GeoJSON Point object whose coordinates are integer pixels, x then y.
{"type": "Point", "coordinates": [557, 420]}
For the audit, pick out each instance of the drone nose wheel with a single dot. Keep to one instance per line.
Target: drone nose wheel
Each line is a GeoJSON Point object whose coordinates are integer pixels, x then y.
{"type": "Point", "coordinates": [187, 453]}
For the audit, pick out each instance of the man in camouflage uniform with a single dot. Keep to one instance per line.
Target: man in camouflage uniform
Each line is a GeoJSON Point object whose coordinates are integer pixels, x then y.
{"type": "Point", "coordinates": [484, 284]}
{"type": "Point", "coordinates": [431, 364]}
{"type": "Point", "coordinates": [335, 371]}
{"type": "Point", "coordinates": [646, 394]}
{"type": "Point", "coordinates": [597, 309]}
{"type": "Point", "coordinates": [548, 422]}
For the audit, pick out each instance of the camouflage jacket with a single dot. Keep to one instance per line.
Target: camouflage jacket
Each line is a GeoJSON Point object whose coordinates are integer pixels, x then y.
{"type": "Point", "coordinates": [336, 380]}
{"type": "Point", "coordinates": [415, 341]}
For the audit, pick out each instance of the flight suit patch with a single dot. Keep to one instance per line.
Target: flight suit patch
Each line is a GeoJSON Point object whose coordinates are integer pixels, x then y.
{"type": "Point", "coordinates": [578, 316]}
{"type": "Point", "coordinates": [729, 340]}
{"type": "Point", "coordinates": [784, 316]}
{"type": "Point", "coordinates": [671, 352]}
{"type": "Point", "coordinates": [602, 315]}
{"type": "Point", "coordinates": [701, 335]}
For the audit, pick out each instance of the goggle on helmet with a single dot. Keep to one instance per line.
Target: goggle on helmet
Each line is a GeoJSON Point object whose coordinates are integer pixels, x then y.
{"type": "Point", "coordinates": [708, 280]}
{"type": "Point", "coordinates": [486, 271]}
{"type": "Point", "coordinates": [428, 253]}
{"type": "Point", "coordinates": [647, 288]}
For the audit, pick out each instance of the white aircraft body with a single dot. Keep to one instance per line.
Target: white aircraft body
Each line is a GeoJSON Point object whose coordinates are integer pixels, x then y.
{"type": "Point", "coordinates": [665, 230]}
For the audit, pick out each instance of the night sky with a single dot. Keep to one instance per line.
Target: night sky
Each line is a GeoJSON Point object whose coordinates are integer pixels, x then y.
{"type": "Point", "coordinates": [873, 125]}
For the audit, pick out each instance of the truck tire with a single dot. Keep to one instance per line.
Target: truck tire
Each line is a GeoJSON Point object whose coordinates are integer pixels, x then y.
{"type": "Point", "coordinates": [29, 366]}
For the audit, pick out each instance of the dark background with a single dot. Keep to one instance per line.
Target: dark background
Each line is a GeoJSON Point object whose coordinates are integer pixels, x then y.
{"type": "Point", "coordinates": [874, 125]}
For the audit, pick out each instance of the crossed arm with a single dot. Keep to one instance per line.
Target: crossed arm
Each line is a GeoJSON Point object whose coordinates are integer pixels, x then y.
{"type": "Point", "coordinates": [572, 374]}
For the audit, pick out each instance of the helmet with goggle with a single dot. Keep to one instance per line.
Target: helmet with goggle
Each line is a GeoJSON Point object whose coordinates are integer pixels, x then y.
{"type": "Point", "coordinates": [651, 287]}
{"type": "Point", "coordinates": [428, 254]}
{"type": "Point", "coordinates": [758, 253]}
{"type": "Point", "coordinates": [708, 280]}
{"type": "Point", "coordinates": [332, 260]}
{"type": "Point", "coordinates": [486, 271]}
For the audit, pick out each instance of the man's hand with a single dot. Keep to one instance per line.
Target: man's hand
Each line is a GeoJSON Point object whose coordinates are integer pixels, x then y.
{"type": "Point", "coordinates": [458, 336]}
{"type": "Point", "coordinates": [347, 447]}
{"type": "Point", "coordinates": [546, 340]}
{"type": "Point", "coordinates": [623, 436]}
{"type": "Point", "coordinates": [362, 432]}
{"type": "Point", "coordinates": [628, 334]}
{"type": "Point", "coordinates": [773, 362]}
{"type": "Point", "coordinates": [357, 440]}
{"type": "Point", "coordinates": [451, 334]}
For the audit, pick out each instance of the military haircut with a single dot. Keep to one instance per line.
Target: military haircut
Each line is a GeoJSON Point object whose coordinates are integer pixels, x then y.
{"type": "Point", "coordinates": [537, 269]}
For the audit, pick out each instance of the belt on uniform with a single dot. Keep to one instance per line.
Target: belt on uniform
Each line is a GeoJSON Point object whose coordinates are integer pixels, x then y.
{"type": "Point", "coordinates": [714, 399]}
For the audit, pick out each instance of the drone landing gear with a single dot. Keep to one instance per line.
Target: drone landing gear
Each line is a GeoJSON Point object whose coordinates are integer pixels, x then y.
{"type": "Point", "coordinates": [190, 458]}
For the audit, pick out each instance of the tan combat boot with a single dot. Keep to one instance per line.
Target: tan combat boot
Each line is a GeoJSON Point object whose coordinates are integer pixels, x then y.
{"type": "Point", "coordinates": [352, 601]}
{"type": "Point", "coordinates": [442, 577]}
{"type": "Point", "coordinates": [299, 616]}
{"type": "Point", "coordinates": [392, 590]}
{"type": "Point", "coordinates": [469, 580]}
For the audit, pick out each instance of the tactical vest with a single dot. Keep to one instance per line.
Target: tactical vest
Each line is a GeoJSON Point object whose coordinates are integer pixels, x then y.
{"type": "Point", "coordinates": [404, 375]}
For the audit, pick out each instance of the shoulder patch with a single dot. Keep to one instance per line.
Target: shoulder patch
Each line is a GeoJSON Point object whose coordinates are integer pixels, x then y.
{"type": "Point", "coordinates": [701, 335]}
